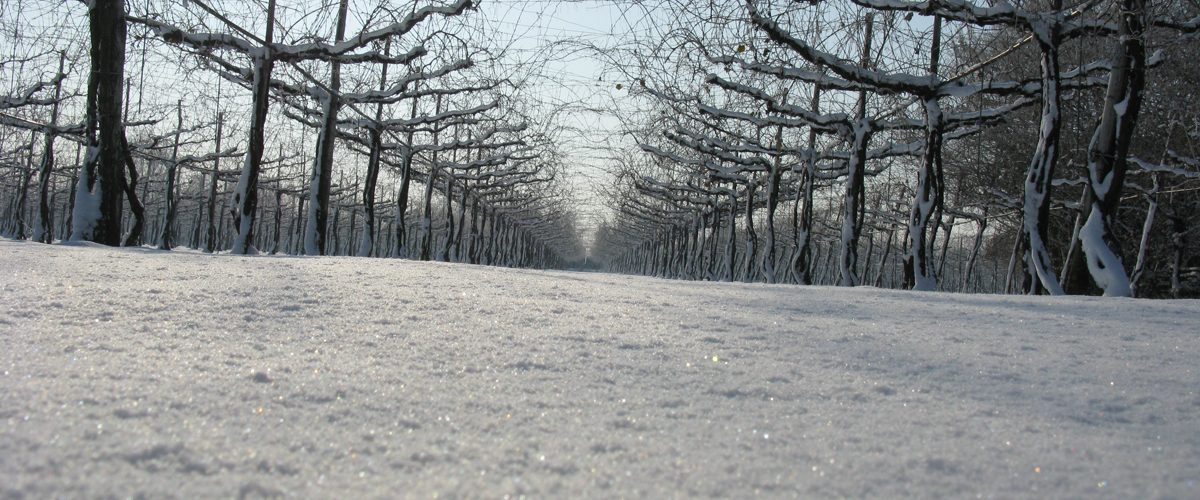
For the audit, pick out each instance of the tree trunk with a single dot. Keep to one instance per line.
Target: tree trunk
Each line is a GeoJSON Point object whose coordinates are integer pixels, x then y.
{"type": "Point", "coordinates": [165, 241]}
{"type": "Point", "coordinates": [772, 202]}
{"type": "Point", "coordinates": [76, 170]}
{"type": "Point", "coordinates": [1038, 179]}
{"type": "Point", "coordinates": [367, 245]}
{"type": "Point", "coordinates": [751, 235]}
{"type": "Point", "coordinates": [852, 210]}
{"type": "Point", "coordinates": [473, 245]}
{"type": "Point", "coordinates": [1074, 276]}
{"type": "Point", "coordinates": [887, 251]}
{"type": "Point", "coordinates": [134, 238]}
{"type": "Point", "coordinates": [948, 229]}
{"type": "Point", "coordinates": [26, 176]}
{"type": "Point", "coordinates": [1109, 149]}
{"type": "Point", "coordinates": [246, 194]}
{"type": "Point", "coordinates": [918, 270]}
{"type": "Point", "coordinates": [1179, 231]}
{"type": "Point", "coordinates": [298, 236]}
{"type": "Point", "coordinates": [731, 243]}
{"type": "Point", "coordinates": [427, 212]}
{"type": "Point", "coordinates": [462, 216]}
{"type": "Point", "coordinates": [981, 227]}
{"type": "Point", "coordinates": [210, 243]}
{"type": "Point", "coordinates": [322, 172]}
{"type": "Point", "coordinates": [100, 194]}
{"type": "Point", "coordinates": [714, 236]}
{"type": "Point", "coordinates": [1139, 267]}
{"type": "Point", "coordinates": [803, 266]}
{"type": "Point", "coordinates": [402, 197]}
{"type": "Point", "coordinates": [44, 229]}
{"type": "Point", "coordinates": [444, 254]}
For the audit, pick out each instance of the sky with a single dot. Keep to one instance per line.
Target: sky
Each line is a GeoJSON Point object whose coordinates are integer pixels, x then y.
{"type": "Point", "coordinates": [572, 42]}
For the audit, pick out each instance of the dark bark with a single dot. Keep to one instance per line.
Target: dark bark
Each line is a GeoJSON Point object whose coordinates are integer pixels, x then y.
{"type": "Point", "coordinates": [134, 238]}
{"type": "Point", "coordinates": [918, 270]}
{"type": "Point", "coordinates": [278, 221]}
{"type": "Point", "coordinates": [26, 176]}
{"type": "Point", "coordinates": [751, 235]}
{"type": "Point", "coordinates": [369, 185]}
{"type": "Point", "coordinates": [803, 264]}
{"type": "Point", "coordinates": [322, 175]}
{"type": "Point", "coordinates": [459, 226]}
{"type": "Point", "coordinates": [1179, 229]}
{"type": "Point", "coordinates": [76, 170]}
{"type": "Point", "coordinates": [1075, 277]}
{"type": "Point", "coordinates": [1041, 168]}
{"type": "Point", "coordinates": [473, 245]}
{"type": "Point", "coordinates": [402, 196]}
{"type": "Point", "coordinates": [981, 227]}
{"type": "Point", "coordinates": [166, 239]}
{"type": "Point", "coordinates": [776, 176]}
{"type": "Point", "coordinates": [853, 207]}
{"type": "Point", "coordinates": [444, 254]}
{"type": "Point", "coordinates": [1109, 150]}
{"type": "Point", "coordinates": [246, 195]}
{"type": "Point", "coordinates": [44, 232]}
{"type": "Point", "coordinates": [210, 242]}
{"type": "Point", "coordinates": [427, 208]}
{"type": "Point", "coordinates": [104, 168]}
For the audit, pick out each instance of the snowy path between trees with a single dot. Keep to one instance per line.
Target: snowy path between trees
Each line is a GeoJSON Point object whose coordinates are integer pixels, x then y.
{"type": "Point", "coordinates": [130, 372]}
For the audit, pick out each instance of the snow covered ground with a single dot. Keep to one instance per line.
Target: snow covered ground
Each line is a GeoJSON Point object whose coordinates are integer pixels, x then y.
{"type": "Point", "coordinates": [128, 372]}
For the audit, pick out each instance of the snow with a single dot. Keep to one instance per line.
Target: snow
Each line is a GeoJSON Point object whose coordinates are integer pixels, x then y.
{"type": "Point", "coordinates": [1104, 266]}
{"type": "Point", "coordinates": [1120, 107]}
{"type": "Point", "coordinates": [86, 212]}
{"type": "Point", "coordinates": [136, 372]}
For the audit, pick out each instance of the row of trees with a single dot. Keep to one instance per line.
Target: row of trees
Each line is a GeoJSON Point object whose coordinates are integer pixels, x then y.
{"type": "Point", "coordinates": [1064, 134]}
{"type": "Point", "coordinates": [348, 134]}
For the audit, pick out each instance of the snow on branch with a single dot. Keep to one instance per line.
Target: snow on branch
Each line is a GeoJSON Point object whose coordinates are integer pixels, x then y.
{"type": "Point", "coordinates": [758, 121]}
{"type": "Point", "coordinates": [400, 89]}
{"type": "Point", "coordinates": [198, 163]}
{"type": "Point", "coordinates": [422, 92]}
{"type": "Point", "coordinates": [715, 169]}
{"type": "Point", "coordinates": [245, 76]}
{"type": "Point", "coordinates": [27, 96]}
{"type": "Point", "coordinates": [494, 174]}
{"type": "Point", "coordinates": [27, 124]}
{"type": "Point", "coordinates": [746, 145]}
{"type": "Point", "coordinates": [825, 80]}
{"type": "Point", "coordinates": [466, 144]}
{"type": "Point", "coordinates": [1186, 160]}
{"type": "Point", "coordinates": [828, 123]}
{"type": "Point", "coordinates": [508, 182]}
{"type": "Point", "coordinates": [1170, 169]}
{"type": "Point", "coordinates": [1003, 13]}
{"type": "Point", "coordinates": [490, 161]}
{"type": "Point", "coordinates": [839, 123]}
{"type": "Point", "coordinates": [717, 148]}
{"type": "Point", "coordinates": [1189, 27]}
{"type": "Point", "coordinates": [327, 51]}
{"type": "Point", "coordinates": [884, 83]}
{"type": "Point", "coordinates": [375, 56]}
{"type": "Point", "coordinates": [340, 51]}
{"type": "Point", "coordinates": [986, 116]}
{"type": "Point", "coordinates": [207, 41]}
{"type": "Point", "coordinates": [675, 193]}
{"type": "Point", "coordinates": [426, 119]}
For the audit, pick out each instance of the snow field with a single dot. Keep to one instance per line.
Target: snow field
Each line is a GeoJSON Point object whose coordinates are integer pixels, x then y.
{"type": "Point", "coordinates": [127, 372]}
